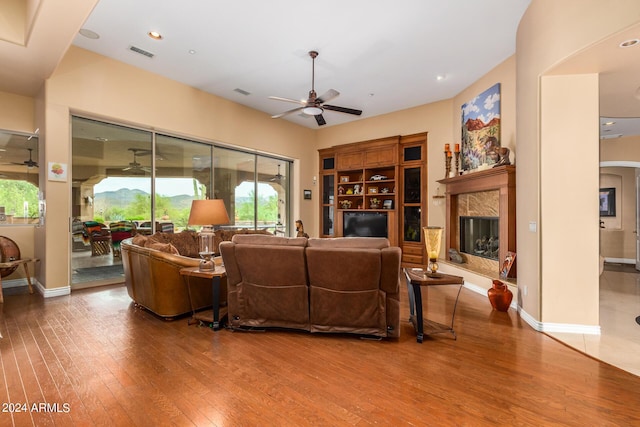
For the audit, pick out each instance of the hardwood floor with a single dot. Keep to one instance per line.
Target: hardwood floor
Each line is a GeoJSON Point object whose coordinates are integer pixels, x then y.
{"type": "Point", "coordinates": [104, 362]}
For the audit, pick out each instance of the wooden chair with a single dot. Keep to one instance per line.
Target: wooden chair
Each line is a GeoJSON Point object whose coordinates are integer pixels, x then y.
{"type": "Point", "coordinates": [119, 231]}
{"type": "Point", "coordinates": [99, 238]}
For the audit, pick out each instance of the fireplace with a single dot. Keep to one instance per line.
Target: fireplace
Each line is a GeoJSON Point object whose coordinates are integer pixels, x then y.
{"type": "Point", "coordinates": [480, 236]}
{"type": "Point", "coordinates": [487, 194]}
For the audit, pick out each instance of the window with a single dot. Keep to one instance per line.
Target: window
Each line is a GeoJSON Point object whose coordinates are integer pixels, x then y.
{"type": "Point", "coordinates": [19, 175]}
{"type": "Point", "coordinates": [121, 173]}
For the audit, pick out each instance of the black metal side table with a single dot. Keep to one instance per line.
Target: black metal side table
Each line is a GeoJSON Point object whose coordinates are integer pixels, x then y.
{"type": "Point", "coordinates": [416, 278]}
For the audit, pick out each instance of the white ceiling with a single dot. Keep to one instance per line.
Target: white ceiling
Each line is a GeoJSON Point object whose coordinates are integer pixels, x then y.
{"type": "Point", "coordinates": [381, 56]}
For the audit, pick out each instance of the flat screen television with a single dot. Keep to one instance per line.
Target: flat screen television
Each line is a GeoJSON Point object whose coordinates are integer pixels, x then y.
{"type": "Point", "coordinates": [364, 224]}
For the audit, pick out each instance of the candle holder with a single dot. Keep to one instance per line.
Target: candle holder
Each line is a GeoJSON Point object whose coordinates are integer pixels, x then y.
{"type": "Point", "coordinates": [447, 163]}
{"type": "Point", "coordinates": [457, 153]}
{"type": "Point", "coordinates": [205, 251]}
{"type": "Point", "coordinates": [432, 240]}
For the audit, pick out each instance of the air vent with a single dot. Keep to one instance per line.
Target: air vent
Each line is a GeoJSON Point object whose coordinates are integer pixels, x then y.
{"type": "Point", "coordinates": [141, 51]}
{"type": "Point", "coordinates": [242, 91]}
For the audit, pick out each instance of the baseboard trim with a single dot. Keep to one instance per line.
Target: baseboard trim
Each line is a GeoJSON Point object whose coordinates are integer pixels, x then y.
{"type": "Point", "coordinates": [530, 320]}
{"type": "Point", "coordinates": [620, 260]}
{"type": "Point", "coordinates": [45, 292]}
{"type": "Point", "coordinates": [55, 292]}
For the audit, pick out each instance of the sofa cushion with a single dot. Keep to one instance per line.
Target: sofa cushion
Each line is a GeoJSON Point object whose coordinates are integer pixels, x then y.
{"type": "Point", "coordinates": [222, 235]}
{"type": "Point", "coordinates": [186, 242]}
{"type": "Point", "coordinates": [350, 242]}
{"type": "Point", "coordinates": [139, 240]}
{"type": "Point", "coordinates": [260, 239]}
{"type": "Point", "coordinates": [162, 247]}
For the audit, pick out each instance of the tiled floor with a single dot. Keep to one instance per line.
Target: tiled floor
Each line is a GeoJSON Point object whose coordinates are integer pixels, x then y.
{"type": "Point", "coordinates": [619, 342]}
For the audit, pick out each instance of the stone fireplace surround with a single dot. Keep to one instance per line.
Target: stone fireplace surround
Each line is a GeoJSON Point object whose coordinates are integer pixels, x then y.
{"type": "Point", "coordinates": [490, 192]}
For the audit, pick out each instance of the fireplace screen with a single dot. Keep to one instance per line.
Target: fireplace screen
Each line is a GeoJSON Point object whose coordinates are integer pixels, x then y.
{"type": "Point", "coordinates": [479, 236]}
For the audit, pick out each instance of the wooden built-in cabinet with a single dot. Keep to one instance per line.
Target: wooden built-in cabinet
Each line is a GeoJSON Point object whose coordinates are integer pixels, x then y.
{"type": "Point", "coordinates": [390, 171]}
{"type": "Point", "coordinates": [413, 184]}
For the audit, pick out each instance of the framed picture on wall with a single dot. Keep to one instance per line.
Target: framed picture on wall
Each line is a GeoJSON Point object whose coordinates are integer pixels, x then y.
{"type": "Point", "coordinates": [608, 201]}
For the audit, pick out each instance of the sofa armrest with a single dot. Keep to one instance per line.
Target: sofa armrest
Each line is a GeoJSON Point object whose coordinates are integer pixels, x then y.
{"type": "Point", "coordinates": [227, 250]}
{"type": "Point", "coordinates": [390, 274]}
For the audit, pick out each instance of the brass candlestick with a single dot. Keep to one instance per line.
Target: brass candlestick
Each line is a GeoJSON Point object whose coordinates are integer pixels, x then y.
{"type": "Point", "coordinates": [447, 163]}
{"type": "Point", "coordinates": [457, 153]}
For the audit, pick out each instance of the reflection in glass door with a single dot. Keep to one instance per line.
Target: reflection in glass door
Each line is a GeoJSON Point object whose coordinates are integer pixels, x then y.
{"type": "Point", "coordinates": [128, 181]}
{"type": "Point", "coordinates": [111, 184]}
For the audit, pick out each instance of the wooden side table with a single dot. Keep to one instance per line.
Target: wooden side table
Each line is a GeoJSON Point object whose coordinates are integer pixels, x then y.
{"type": "Point", "coordinates": [14, 263]}
{"type": "Point", "coordinates": [211, 317]}
{"type": "Point", "coordinates": [416, 278]}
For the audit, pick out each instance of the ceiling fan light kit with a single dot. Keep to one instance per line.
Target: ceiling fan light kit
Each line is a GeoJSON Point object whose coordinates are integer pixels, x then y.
{"type": "Point", "coordinates": [312, 111]}
{"type": "Point", "coordinates": [314, 105]}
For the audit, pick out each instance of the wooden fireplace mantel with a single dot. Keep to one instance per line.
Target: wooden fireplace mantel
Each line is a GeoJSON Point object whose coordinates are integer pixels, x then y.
{"type": "Point", "coordinates": [501, 178]}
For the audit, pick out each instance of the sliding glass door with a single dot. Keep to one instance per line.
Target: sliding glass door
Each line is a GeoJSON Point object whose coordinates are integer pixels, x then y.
{"type": "Point", "coordinates": [127, 180]}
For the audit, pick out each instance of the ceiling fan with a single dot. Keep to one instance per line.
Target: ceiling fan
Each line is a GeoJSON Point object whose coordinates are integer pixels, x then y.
{"type": "Point", "coordinates": [28, 163]}
{"type": "Point", "coordinates": [134, 166]}
{"type": "Point", "coordinates": [315, 105]}
{"type": "Point", "coordinates": [277, 177]}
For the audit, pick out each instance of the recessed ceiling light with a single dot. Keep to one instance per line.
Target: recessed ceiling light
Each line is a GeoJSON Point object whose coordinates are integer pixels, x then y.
{"type": "Point", "coordinates": [629, 43]}
{"type": "Point", "coordinates": [89, 34]}
{"type": "Point", "coordinates": [155, 35]}
{"type": "Point", "coordinates": [441, 77]}
{"type": "Point", "coordinates": [192, 52]}
{"type": "Point", "coordinates": [609, 123]}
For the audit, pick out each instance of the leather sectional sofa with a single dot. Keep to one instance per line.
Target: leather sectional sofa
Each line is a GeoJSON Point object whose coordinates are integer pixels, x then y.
{"type": "Point", "coordinates": [152, 271]}
{"type": "Point", "coordinates": [340, 285]}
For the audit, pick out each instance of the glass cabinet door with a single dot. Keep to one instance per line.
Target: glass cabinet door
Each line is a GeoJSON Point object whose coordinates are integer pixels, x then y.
{"type": "Point", "coordinates": [412, 185]}
{"type": "Point", "coordinates": [327, 205]}
{"type": "Point", "coordinates": [412, 225]}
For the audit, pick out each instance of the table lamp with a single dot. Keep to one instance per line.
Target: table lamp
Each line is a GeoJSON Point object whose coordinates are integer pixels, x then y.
{"type": "Point", "coordinates": [207, 213]}
{"type": "Point", "coordinates": [432, 239]}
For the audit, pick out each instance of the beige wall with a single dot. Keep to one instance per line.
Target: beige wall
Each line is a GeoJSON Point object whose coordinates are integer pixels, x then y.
{"type": "Point", "coordinates": [17, 113]}
{"type": "Point", "coordinates": [98, 87]}
{"type": "Point", "coordinates": [542, 43]}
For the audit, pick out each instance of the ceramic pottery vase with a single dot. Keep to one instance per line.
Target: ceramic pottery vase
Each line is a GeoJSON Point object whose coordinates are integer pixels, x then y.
{"type": "Point", "coordinates": [500, 296]}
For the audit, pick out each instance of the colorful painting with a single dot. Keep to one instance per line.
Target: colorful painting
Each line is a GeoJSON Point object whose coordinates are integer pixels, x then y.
{"type": "Point", "coordinates": [481, 129]}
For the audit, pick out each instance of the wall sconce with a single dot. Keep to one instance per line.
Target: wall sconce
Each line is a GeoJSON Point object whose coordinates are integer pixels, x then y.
{"type": "Point", "coordinates": [88, 200]}
{"type": "Point", "coordinates": [438, 199]}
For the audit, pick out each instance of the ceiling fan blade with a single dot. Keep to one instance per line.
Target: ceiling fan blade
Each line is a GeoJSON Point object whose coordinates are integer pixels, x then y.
{"type": "Point", "coordinates": [295, 101]}
{"type": "Point", "coordinates": [342, 109]}
{"type": "Point", "coordinates": [277, 116]}
{"type": "Point", "coordinates": [328, 95]}
{"type": "Point", "coordinates": [320, 120]}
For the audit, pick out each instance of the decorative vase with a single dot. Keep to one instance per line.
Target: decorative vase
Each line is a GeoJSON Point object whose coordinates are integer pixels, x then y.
{"type": "Point", "coordinates": [500, 296]}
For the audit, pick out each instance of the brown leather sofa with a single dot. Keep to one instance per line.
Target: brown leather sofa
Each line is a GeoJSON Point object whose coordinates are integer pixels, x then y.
{"type": "Point", "coordinates": [153, 280]}
{"type": "Point", "coordinates": [341, 285]}
{"type": "Point", "coordinates": [152, 271]}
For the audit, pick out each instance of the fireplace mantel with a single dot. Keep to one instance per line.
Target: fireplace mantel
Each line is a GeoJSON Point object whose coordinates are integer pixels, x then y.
{"type": "Point", "coordinates": [502, 179]}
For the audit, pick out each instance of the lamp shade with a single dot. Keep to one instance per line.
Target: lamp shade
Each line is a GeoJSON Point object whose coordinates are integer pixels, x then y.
{"type": "Point", "coordinates": [208, 212]}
